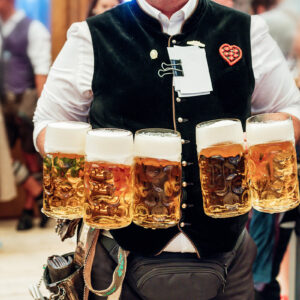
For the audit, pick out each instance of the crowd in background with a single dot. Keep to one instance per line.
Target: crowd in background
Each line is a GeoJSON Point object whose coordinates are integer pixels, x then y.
{"type": "Point", "coordinates": [25, 62]}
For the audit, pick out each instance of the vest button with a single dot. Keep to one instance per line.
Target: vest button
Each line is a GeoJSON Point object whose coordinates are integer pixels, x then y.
{"type": "Point", "coordinates": [174, 41]}
{"type": "Point", "coordinates": [184, 163]}
{"type": "Point", "coordinates": [185, 141]}
{"type": "Point", "coordinates": [181, 224]}
{"type": "Point", "coordinates": [184, 205]}
{"type": "Point", "coordinates": [180, 120]}
{"type": "Point", "coordinates": [178, 100]}
{"type": "Point", "coordinates": [184, 184]}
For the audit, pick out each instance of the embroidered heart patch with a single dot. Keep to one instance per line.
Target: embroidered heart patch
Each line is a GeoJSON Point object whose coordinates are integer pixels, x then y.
{"type": "Point", "coordinates": [231, 53]}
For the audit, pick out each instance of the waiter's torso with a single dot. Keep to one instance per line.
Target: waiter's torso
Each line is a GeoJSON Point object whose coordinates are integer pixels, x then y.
{"type": "Point", "coordinates": [129, 94]}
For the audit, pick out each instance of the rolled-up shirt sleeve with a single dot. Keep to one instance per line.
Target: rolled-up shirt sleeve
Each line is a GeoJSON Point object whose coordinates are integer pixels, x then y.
{"type": "Point", "coordinates": [275, 89]}
{"type": "Point", "coordinates": [67, 94]}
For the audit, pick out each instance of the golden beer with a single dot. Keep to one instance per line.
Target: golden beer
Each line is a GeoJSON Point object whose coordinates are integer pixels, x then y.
{"type": "Point", "coordinates": [223, 180]}
{"type": "Point", "coordinates": [273, 180]}
{"type": "Point", "coordinates": [63, 185]}
{"type": "Point", "coordinates": [157, 178]}
{"type": "Point", "coordinates": [272, 163]}
{"type": "Point", "coordinates": [47, 183]}
{"type": "Point", "coordinates": [63, 170]}
{"type": "Point", "coordinates": [157, 190]}
{"type": "Point", "coordinates": [108, 195]}
{"type": "Point", "coordinates": [108, 180]}
{"type": "Point", "coordinates": [222, 168]}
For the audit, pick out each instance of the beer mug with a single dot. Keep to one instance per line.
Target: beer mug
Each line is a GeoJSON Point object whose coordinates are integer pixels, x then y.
{"type": "Point", "coordinates": [222, 168]}
{"type": "Point", "coordinates": [157, 178]}
{"type": "Point", "coordinates": [272, 163]}
{"type": "Point", "coordinates": [107, 178]}
{"type": "Point", "coordinates": [63, 167]}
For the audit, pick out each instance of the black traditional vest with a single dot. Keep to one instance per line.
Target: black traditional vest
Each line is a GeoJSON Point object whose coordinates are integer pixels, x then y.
{"type": "Point", "coordinates": [129, 94]}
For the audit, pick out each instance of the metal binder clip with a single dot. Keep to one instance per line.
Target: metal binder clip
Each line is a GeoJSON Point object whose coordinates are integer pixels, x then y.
{"type": "Point", "coordinates": [175, 68]}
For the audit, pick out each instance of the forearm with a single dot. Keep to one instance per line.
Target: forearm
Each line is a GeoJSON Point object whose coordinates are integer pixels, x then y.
{"type": "Point", "coordinates": [40, 81]}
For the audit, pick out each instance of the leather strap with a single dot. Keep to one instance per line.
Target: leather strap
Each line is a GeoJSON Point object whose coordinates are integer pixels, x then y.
{"type": "Point", "coordinates": [82, 245]}
{"type": "Point", "coordinates": [240, 240]}
{"type": "Point", "coordinates": [118, 274]}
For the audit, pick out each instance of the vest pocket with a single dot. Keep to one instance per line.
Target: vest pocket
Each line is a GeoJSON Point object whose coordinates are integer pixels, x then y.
{"type": "Point", "coordinates": [233, 89]}
{"type": "Point", "coordinates": [239, 67]}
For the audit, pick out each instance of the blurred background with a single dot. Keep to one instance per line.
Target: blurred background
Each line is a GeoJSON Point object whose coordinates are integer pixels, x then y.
{"type": "Point", "coordinates": [27, 237]}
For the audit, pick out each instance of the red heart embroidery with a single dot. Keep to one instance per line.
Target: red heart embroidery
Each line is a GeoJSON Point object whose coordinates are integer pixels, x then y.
{"type": "Point", "coordinates": [231, 53]}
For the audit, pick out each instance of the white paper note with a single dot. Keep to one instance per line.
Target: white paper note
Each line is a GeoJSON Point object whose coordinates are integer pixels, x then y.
{"type": "Point", "coordinates": [196, 79]}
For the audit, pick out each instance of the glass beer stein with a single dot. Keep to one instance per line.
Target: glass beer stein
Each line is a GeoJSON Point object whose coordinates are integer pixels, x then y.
{"type": "Point", "coordinates": [222, 168]}
{"type": "Point", "coordinates": [272, 163]}
{"type": "Point", "coordinates": [63, 169]}
{"type": "Point", "coordinates": [107, 178]}
{"type": "Point", "coordinates": [157, 178]}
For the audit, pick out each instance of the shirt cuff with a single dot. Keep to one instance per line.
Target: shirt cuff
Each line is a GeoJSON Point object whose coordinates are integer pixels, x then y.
{"type": "Point", "coordinates": [41, 71]}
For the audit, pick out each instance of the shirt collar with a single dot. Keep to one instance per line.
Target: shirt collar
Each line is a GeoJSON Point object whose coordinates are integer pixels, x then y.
{"type": "Point", "coordinates": [186, 10]}
{"type": "Point", "coordinates": [9, 25]}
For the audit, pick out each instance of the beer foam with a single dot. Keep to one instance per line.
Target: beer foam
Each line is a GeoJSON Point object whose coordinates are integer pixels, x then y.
{"type": "Point", "coordinates": [109, 145]}
{"type": "Point", "coordinates": [218, 131]}
{"type": "Point", "coordinates": [66, 137]}
{"type": "Point", "coordinates": [158, 144]}
{"type": "Point", "coordinates": [269, 131]}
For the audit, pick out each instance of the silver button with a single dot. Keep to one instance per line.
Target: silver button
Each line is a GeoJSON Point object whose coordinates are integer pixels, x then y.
{"type": "Point", "coordinates": [174, 41]}
{"type": "Point", "coordinates": [184, 205]}
{"type": "Point", "coordinates": [178, 100]}
{"type": "Point", "coordinates": [184, 184]}
{"type": "Point", "coordinates": [180, 120]}
{"type": "Point", "coordinates": [184, 163]}
{"type": "Point", "coordinates": [181, 224]}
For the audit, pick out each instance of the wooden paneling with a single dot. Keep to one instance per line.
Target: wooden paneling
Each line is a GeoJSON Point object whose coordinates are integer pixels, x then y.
{"type": "Point", "coordinates": [64, 13]}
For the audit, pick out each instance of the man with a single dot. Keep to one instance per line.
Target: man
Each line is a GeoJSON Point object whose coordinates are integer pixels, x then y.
{"type": "Point", "coordinates": [27, 58]}
{"type": "Point", "coordinates": [98, 7]}
{"type": "Point", "coordinates": [110, 59]}
{"type": "Point", "coordinates": [282, 19]}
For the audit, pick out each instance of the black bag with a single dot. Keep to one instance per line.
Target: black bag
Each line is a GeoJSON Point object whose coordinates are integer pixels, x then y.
{"type": "Point", "coordinates": [180, 276]}
{"type": "Point", "coordinates": [177, 276]}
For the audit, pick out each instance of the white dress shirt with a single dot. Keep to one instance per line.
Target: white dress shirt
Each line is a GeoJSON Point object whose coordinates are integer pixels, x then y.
{"type": "Point", "coordinates": [67, 94]}
{"type": "Point", "coordinates": [39, 42]}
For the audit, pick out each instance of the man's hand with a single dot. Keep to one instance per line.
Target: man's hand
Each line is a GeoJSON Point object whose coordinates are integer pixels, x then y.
{"type": "Point", "coordinates": [296, 123]}
{"type": "Point", "coordinates": [40, 142]}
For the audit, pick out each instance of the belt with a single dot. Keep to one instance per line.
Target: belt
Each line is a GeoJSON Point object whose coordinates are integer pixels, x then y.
{"type": "Point", "coordinates": [112, 246]}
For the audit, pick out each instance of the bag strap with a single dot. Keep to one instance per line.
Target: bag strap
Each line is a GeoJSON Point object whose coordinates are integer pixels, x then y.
{"type": "Point", "coordinates": [82, 244]}
{"type": "Point", "coordinates": [118, 274]}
